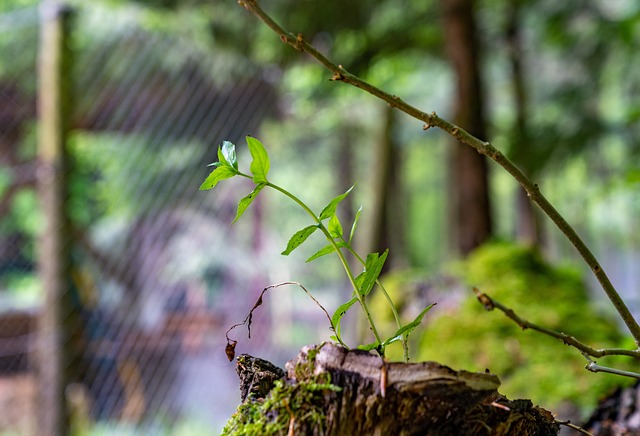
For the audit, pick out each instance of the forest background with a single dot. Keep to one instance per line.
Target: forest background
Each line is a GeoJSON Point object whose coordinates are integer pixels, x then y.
{"type": "Point", "coordinates": [159, 269]}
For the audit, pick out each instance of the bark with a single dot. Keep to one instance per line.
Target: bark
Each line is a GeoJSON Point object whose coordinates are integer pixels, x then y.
{"type": "Point", "coordinates": [376, 397]}
{"type": "Point", "coordinates": [469, 182]}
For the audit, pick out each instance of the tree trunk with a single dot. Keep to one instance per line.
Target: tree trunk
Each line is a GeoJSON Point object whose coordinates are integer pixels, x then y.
{"type": "Point", "coordinates": [56, 357]}
{"type": "Point", "coordinates": [387, 228]}
{"type": "Point", "coordinates": [332, 391]}
{"type": "Point", "coordinates": [529, 228]}
{"type": "Point", "coordinates": [469, 181]}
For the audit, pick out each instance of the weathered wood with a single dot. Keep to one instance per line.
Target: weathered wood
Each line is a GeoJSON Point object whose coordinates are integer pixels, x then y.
{"type": "Point", "coordinates": [376, 397]}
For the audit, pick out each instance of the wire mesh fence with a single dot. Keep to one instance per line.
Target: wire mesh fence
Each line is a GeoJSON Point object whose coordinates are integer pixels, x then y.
{"type": "Point", "coordinates": [17, 183]}
{"type": "Point", "coordinates": [156, 272]}
{"type": "Point", "coordinates": [150, 275]}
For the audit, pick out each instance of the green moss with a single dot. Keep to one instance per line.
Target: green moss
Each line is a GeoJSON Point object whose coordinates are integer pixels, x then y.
{"type": "Point", "coordinates": [302, 402]}
{"type": "Point", "coordinates": [530, 365]}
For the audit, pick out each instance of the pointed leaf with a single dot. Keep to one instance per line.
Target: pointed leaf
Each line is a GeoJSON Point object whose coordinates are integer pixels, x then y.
{"type": "Point", "coordinates": [355, 224]}
{"type": "Point", "coordinates": [222, 160]}
{"type": "Point", "coordinates": [407, 329]}
{"type": "Point", "coordinates": [260, 163]}
{"type": "Point", "coordinates": [330, 209]}
{"type": "Point", "coordinates": [326, 250]}
{"type": "Point", "coordinates": [228, 151]}
{"type": "Point", "coordinates": [340, 311]}
{"type": "Point", "coordinates": [220, 173]}
{"type": "Point", "coordinates": [298, 238]}
{"type": "Point", "coordinates": [369, 347]}
{"type": "Point", "coordinates": [373, 268]}
{"type": "Point", "coordinates": [246, 201]}
{"type": "Point", "coordinates": [334, 227]}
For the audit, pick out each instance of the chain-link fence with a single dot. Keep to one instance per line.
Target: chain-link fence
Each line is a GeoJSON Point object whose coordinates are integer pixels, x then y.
{"type": "Point", "coordinates": [152, 287]}
{"type": "Point", "coordinates": [156, 272]}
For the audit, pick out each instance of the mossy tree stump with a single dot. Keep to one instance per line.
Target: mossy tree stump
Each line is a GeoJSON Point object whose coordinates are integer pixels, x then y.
{"type": "Point", "coordinates": [353, 392]}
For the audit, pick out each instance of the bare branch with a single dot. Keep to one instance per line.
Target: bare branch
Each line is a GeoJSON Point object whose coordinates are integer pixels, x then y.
{"type": "Point", "coordinates": [574, 427]}
{"type": "Point", "coordinates": [432, 120]}
{"type": "Point", "coordinates": [586, 350]}
{"type": "Point", "coordinates": [594, 367]}
{"type": "Point", "coordinates": [230, 348]}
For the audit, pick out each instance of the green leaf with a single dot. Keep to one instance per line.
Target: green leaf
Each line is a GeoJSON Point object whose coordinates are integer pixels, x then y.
{"type": "Point", "coordinates": [372, 269]}
{"type": "Point", "coordinates": [326, 250]}
{"type": "Point", "coordinates": [330, 209]}
{"type": "Point", "coordinates": [246, 201]}
{"type": "Point", "coordinates": [369, 347]}
{"type": "Point", "coordinates": [220, 173]}
{"type": "Point", "coordinates": [340, 311]}
{"type": "Point", "coordinates": [355, 224]}
{"type": "Point", "coordinates": [228, 152]}
{"type": "Point", "coordinates": [407, 329]}
{"type": "Point", "coordinates": [260, 163]}
{"type": "Point", "coordinates": [222, 160]}
{"type": "Point", "coordinates": [334, 227]}
{"type": "Point", "coordinates": [299, 237]}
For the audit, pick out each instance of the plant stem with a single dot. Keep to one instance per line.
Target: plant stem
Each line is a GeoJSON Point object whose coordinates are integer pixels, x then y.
{"type": "Point", "coordinates": [483, 147]}
{"type": "Point", "coordinates": [405, 346]}
{"type": "Point", "coordinates": [339, 253]}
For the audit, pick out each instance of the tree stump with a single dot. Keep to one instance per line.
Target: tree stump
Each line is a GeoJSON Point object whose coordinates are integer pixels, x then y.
{"type": "Point", "coordinates": [356, 392]}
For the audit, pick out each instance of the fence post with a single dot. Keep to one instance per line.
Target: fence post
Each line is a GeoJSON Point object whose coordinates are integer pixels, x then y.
{"type": "Point", "coordinates": [54, 107]}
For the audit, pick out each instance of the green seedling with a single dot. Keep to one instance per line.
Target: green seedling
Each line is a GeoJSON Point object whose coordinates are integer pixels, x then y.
{"type": "Point", "coordinates": [338, 243]}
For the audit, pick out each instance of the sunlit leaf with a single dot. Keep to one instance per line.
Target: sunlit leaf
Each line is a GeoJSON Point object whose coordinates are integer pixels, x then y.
{"type": "Point", "coordinates": [246, 201]}
{"type": "Point", "coordinates": [298, 238]}
{"type": "Point", "coordinates": [373, 268]}
{"type": "Point", "coordinates": [260, 163]}
{"type": "Point", "coordinates": [334, 227]}
{"type": "Point", "coordinates": [228, 151]}
{"type": "Point", "coordinates": [326, 250]}
{"type": "Point", "coordinates": [220, 173]}
{"type": "Point", "coordinates": [355, 224]}
{"type": "Point", "coordinates": [330, 209]}
{"type": "Point", "coordinates": [222, 160]}
{"type": "Point", "coordinates": [407, 329]}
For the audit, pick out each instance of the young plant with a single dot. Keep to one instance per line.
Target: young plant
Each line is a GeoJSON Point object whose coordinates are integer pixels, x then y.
{"type": "Point", "coordinates": [329, 225]}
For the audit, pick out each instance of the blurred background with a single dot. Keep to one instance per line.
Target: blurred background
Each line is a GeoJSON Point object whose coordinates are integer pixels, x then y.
{"type": "Point", "coordinates": [119, 278]}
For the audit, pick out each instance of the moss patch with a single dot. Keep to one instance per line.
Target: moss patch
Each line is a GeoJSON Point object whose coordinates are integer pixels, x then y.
{"type": "Point", "coordinates": [529, 364]}
{"type": "Point", "coordinates": [299, 403]}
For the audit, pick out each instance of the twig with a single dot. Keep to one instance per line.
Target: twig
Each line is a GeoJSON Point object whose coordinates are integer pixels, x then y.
{"type": "Point", "coordinates": [586, 350]}
{"type": "Point", "coordinates": [231, 344]}
{"type": "Point", "coordinates": [573, 426]}
{"type": "Point", "coordinates": [432, 120]}
{"type": "Point", "coordinates": [594, 367]}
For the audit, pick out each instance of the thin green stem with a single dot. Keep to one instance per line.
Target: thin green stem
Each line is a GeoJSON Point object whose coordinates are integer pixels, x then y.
{"type": "Point", "coordinates": [339, 253]}
{"type": "Point", "coordinates": [396, 316]}
{"type": "Point", "coordinates": [483, 147]}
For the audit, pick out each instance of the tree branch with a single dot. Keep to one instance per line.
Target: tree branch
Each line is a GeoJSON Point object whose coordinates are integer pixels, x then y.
{"type": "Point", "coordinates": [594, 367]}
{"type": "Point", "coordinates": [490, 304]}
{"type": "Point", "coordinates": [483, 147]}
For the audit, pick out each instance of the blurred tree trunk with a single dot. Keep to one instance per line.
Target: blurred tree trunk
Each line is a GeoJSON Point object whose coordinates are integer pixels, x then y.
{"type": "Point", "coordinates": [469, 183]}
{"type": "Point", "coordinates": [57, 325]}
{"type": "Point", "coordinates": [387, 229]}
{"type": "Point", "coordinates": [528, 219]}
{"type": "Point", "coordinates": [346, 176]}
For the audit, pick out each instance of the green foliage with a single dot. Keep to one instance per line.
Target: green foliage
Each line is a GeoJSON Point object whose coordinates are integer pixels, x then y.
{"type": "Point", "coordinates": [530, 365]}
{"type": "Point", "coordinates": [227, 167]}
